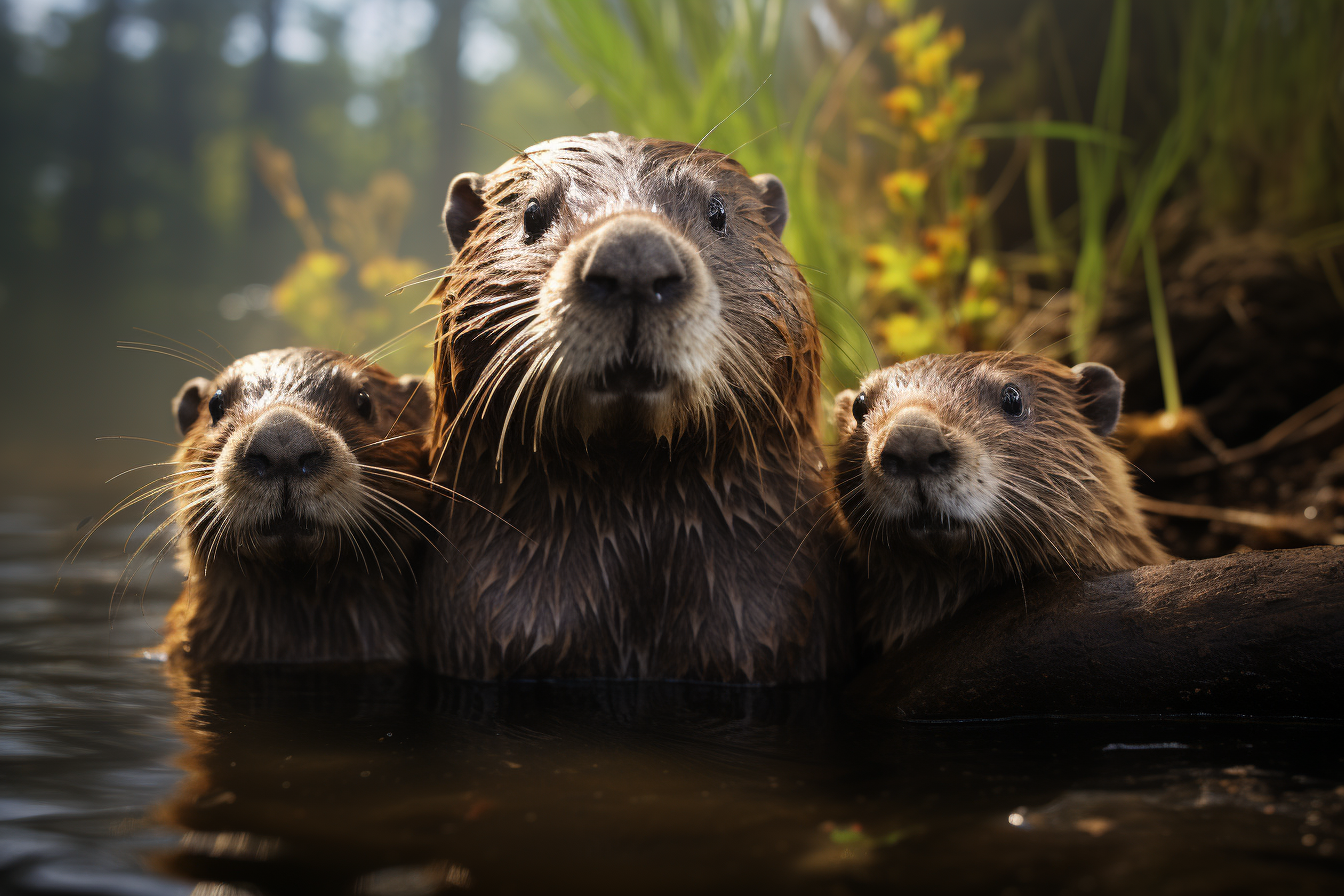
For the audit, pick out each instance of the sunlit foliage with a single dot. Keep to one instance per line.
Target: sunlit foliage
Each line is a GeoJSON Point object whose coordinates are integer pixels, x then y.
{"type": "Point", "coordinates": [369, 311]}
{"type": "Point", "coordinates": [933, 285]}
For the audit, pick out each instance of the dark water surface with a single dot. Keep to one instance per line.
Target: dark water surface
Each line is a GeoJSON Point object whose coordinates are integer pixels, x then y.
{"type": "Point", "coordinates": [117, 779]}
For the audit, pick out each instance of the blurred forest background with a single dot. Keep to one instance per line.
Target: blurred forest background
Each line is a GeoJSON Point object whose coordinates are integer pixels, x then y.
{"type": "Point", "coordinates": [1154, 185]}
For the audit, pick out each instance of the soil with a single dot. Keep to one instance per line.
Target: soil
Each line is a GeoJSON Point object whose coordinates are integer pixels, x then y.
{"type": "Point", "coordinates": [1259, 342]}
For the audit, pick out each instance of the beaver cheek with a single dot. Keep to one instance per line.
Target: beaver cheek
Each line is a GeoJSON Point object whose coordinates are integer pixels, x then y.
{"type": "Point", "coordinates": [971, 491]}
{"type": "Point", "coordinates": [689, 341]}
{"type": "Point", "coordinates": [591, 340]}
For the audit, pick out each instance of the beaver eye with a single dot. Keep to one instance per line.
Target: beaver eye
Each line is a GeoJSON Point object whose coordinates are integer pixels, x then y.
{"type": "Point", "coordinates": [860, 408]}
{"type": "Point", "coordinates": [1011, 401]}
{"type": "Point", "coordinates": [718, 213]}
{"type": "Point", "coordinates": [364, 404]}
{"type": "Point", "coordinates": [534, 219]}
{"type": "Point", "coordinates": [217, 406]}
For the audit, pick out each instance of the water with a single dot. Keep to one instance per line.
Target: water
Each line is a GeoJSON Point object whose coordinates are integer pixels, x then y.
{"type": "Point", "coordinates": [119, 779]}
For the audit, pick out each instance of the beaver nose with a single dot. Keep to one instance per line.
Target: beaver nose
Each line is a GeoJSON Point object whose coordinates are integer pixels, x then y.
{"type": "Point", "coordinates": [283, 444]}
{"type": "Point", "coordinates": [633, 259]}
{"type": "Point", "coordinates": [915, 446]}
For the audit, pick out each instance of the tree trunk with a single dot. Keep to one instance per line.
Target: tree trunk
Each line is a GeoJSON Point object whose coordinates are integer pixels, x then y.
{"type": "Point", "coordinates": [450, 110]}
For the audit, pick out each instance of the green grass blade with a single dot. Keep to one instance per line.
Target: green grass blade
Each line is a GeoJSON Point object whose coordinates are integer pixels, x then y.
{"type": "Point", "coordinates": [1157, 307]}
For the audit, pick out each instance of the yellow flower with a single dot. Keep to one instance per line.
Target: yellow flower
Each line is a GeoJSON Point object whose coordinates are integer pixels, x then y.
{"type": "Point", "coordinates": [949, 244]}
{"type": "Point", "coordinates": [903, 103]}
{"type": "Point", "coordinates": [905, 190]}
{"type": "Point", "coordinates": [955, 39]}
{"type": "Point", "coordinates": [984, 278]}
{"type": "Point", "coordinates": [929, 66]}
{"type": "Point", "coordinates": [891, 271]}
{"type": "Point", "coordinates": [933, 128]}
{"type": "Point", "coordinates": [907, 40]}
{"type": "Point", "coordinates": [928, 269]}
{"type": "Point", "coordinates": [976, 310]}
{"type": "Point", "coordinates": [959, 101]}
{"type": "Point", "coordinates": [309, 297]}
{"type": "Point", "coordinates": [311, 278]}
{"type": "Point", "coordinates": [909, 336]}
{"type": "Point", "coordinates": [383, 273]}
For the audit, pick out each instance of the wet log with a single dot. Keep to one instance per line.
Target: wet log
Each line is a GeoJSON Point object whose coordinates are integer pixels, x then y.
{"type": "Point", "coordinates": [1255, 634]}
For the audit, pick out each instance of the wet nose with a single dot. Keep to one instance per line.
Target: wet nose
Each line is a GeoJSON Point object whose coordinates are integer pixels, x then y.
{"type": "Point", "coordinates": [633, 259]}
{"type": "Point", "coordinates": [915, 445]}
{"type": "Point", "coordinates": [283, 444]}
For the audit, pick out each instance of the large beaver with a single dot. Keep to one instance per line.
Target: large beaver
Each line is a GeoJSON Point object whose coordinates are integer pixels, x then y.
{"type": "Point", "coordinates": [627, 375]}
{"type": "Point", "coordinates": [302, 499]}
{"type": "Point", "coordinates": [959, 472]}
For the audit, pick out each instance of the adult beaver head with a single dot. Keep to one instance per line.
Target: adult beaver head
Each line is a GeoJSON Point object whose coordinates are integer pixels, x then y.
{"type": "Point", "coordinates": [627, 380]}
{"type": "Point", "coordinates": [298, 454]}
{"type": "Point", "coordinates": [956, 472]}
{"type": "Point", "coordinates": [607, 282]}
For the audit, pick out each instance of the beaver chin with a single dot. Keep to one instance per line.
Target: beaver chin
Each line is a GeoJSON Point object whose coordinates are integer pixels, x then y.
{"type": "Point", "coordinates": [636, 398]}
{"type": "Point", "coordinates": [279, 537]}
{"type": "Point", "coordinates": [931, 523]}
{"type": "Point", "coordinates": [287, 527]}
{"type": "Point", "coordinates": [629, 377]}
{"type": "Point", "coordinates": [933, 529]}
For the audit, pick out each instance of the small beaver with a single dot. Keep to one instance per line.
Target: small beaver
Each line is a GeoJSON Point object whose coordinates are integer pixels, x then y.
{"type": "Point", "coordinates": [301, 495]}
{"type": "Point", "coordinates": [959, 472]}
{"type": "Point", "coordinates": [627, 376]}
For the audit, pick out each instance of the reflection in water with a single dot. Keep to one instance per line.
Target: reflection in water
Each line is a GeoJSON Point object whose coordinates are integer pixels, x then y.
{"type": "Point", "coordinates": [511, 788]}
{"type": "Point", "coordinates": [331, 782]}
{"type": "Point", "coordinates": [301, 781]}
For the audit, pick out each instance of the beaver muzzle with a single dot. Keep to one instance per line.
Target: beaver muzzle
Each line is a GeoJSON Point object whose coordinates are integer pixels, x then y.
{"type": "Point", "coordinates": [286, 475]}
{"type": "Point", "coordinates": [634, 308]}
{"type": "Point", "coordinates": [917, 468]}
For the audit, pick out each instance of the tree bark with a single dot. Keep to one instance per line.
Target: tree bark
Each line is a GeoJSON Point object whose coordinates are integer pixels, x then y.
{"type": "Point", "coordinates": [1257, 634]}
{"type": "Point", "coordinates": [450, 109]}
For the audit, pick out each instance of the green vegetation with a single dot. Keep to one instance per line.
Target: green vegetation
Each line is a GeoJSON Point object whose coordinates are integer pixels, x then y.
{"type": "Point", "coordinates": [929, 289]}
{"type": "Point", "coordinates": [1254, 126]}
{"type": "Point", "coordinates": [312, 296]}
{"type": "Point", "coordinates": [728, 75]}
{"type": "Point", "coordinates": [931, 207]}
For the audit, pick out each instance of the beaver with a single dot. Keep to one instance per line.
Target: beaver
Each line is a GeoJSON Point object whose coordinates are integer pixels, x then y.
{"type": "Point", "coordinates": [627, 377]}
{"type": "Point", "coordinates": [956, 473]}
{"type": "Point", "coordinates": [302, 494]}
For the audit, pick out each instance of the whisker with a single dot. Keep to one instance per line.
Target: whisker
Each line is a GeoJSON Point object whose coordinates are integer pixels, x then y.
{"type": "Point", "coordinates": [191, 348]}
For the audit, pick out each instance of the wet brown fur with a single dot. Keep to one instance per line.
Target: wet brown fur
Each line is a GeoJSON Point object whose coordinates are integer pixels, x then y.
{"type": "Point", "coordinates": [1039, 494]}
{"type": "Point", "coordinates": [340, 593]}
{"type": "Point", "coordinates": [670, 538]}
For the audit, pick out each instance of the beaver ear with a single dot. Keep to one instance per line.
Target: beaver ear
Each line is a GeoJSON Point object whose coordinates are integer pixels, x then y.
{"type": "Point", "coordinates": [416, 395]}
{"type": "Point", "coordinates": [187, 402]}
{"type": "Point", "coordinates": [1100, 391]}
{"type": "Point", "coordinates": [775, 201]}
{"type": "Point", "coordinates": [463, 208]}
{"type": "Point", "coordinates": [844, 414]}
